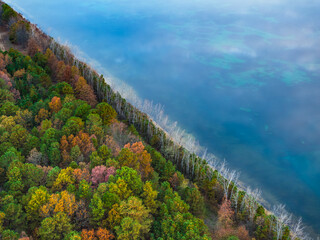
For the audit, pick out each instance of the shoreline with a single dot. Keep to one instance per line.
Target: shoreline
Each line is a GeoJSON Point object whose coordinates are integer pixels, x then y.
{"type": "Point", "coordinates": [154, 122]}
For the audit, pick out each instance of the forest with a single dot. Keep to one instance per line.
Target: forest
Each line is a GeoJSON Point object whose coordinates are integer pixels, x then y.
{"type": "Point", "coordinates": [77, 161]}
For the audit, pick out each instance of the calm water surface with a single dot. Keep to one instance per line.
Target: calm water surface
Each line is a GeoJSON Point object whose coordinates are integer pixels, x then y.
{"type": "Point", "coordinates": [241, 76]}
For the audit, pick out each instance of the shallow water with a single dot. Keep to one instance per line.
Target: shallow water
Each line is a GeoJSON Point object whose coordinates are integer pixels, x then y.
{"type": "Point", "coordinates": [243, 78]}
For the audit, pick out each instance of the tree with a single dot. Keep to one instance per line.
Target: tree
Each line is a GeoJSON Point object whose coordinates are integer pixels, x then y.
{"type": "Point", "coordinates": [39, 197]}
{"type": "Point", "coordinates": [83, 111]}
{"type": "Point", "coordinates": [9, 235]}
{"type": "Point", "coordinates": [56, 227]}
{"type": "Point", "coordinates": [7, 13]}
{"type": "Point", "coordinates": [55, 104]}
{"type": "Point", "coordinates": [12, 210]}
{"type": "Point", "coordinates": [81, 174]}
{"type": "Point", "coordinates": [35, 157]}
{"type": "Point", "coordinates": [33, 47]}
{"type": "Point", "coordinates": [19, 32]}
{"type": "Point", "coordinates": [31, 175]}
{"type": "Point", "coordinates": [95, 160]}
{"type": "Point", "coordinates": [120, 188]}
{"type": "Point", "coordinates": [104, 234]}
{"type": "Point", "coordinates": [131, 178]}
{"type": "Point", "coordinates": [144, 158]}
{"type": "Point", "coordinates": [49, 137]}
{"type": "Point", "coordinates": [72, 236]}
{"type": "Point", "coordinates": [283, 219]}
{"type": "Point", "coordinates": [84, 191]}
{"type": "Point", "coordinates": [8, 108]}
{"type": "Point", "coordinates": [136, 220]}
{"type": "Point", "coordinates": [76, 154]}
{"type": "Point", "coordinates": [85, 92]}
{"type": "Point", "coordinates": [87, 234]}
{"type": "Point", "coordinates": [60, 202]}
{"type": "Point", "coordinates": [193, 197]}
{"type": "Point", "coordinates": [225, 214]}
{"type": "Point", "coordinates": [54, 154]}
{"type": "Point", "coordinates": [73, 126]}
{"type": "Point", "coordinates": [127, 158]}
{"type": "Point", "coordinates": [97, 210]}
{"type": "Point", "coordinates": [63, 115]}
{"type": "Point", "coordinates": [297, 230]}
{"type": "Point", "coordinates": [42, 115]}
{"type": "Point", "coordinates": [64, 178]}
{"type": "Point", "coordinates": [149, 197]}
{"type": "Point", "coordinates": [101, 174]}
{"type": "Point", "coordinates": [106, 112]}
{"type": "Point", "coordinates": [115, 148]}
{"type": "Point", "coordinates": [104, 152]}
{"type": "Point", "coordinates": [98, 175]}
{"type": "Point", "coordinates": [18, 136]}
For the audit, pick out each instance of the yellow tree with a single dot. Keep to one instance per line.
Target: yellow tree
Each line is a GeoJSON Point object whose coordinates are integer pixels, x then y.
{"type": "Point", "coordinates": [39, 198]}
{"type": "Point", "coordinates": [64, 178]}
{"type": "Point", "coordinates": [120, 188]}
{"type": "Point", "coordinates": [61, 202]}
{"type": "Point", "coordinates": [149, 197]}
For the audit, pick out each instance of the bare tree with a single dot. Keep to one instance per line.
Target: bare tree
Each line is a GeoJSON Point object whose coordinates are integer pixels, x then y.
{"type": "Point", "coordinates": [227, 178]}
{"type": "Point", "coordinates": [283, 219]}
{"type": "Point", "coordinates": [297, 230]}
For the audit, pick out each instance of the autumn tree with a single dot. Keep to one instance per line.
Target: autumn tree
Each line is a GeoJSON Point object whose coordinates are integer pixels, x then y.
{"type": "Point", "coordinates": [112, 145]}
{"type": "Point", "coordinates": [101, 174]}
{"type": "Point", "coordinates": [144, 158]}
{"type": "Point", "coordinates": [225, 214]}
{"type": "Point", "coordinates": [60, 202]}
{"type": "Point", "coordinates": [33, 47]}
{"type": "Point", "coordinates": [55, 104]}
{"type": "Point", "coordinates": [85, 92]}
{"type": "Point", "coordinates": [87, 234]}
{"type": "Point", "coordinates": [104, 234]}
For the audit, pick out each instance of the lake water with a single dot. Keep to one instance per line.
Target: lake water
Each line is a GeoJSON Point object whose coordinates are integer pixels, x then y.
{"type": "Point", "coordinates": [241, 76]}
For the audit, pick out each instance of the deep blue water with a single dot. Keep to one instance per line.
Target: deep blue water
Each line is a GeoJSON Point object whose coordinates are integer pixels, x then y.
{"type": "Point", "coordinates": [241, 76]}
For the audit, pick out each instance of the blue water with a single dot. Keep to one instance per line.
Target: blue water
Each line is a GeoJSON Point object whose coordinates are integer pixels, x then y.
{"type": "Point", "coordinates": [241, 76]}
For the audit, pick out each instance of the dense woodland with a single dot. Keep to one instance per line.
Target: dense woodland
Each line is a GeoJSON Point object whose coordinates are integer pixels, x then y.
{"type": "Point", "coordinates": [79, 162]}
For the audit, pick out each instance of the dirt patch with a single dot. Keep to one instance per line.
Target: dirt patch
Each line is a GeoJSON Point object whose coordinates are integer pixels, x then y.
{"type": "Point", "coordinates": [5, 43]}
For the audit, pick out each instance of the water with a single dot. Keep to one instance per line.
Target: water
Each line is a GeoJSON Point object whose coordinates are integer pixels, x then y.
{"type": "Point", "coordinates": [241, 76]}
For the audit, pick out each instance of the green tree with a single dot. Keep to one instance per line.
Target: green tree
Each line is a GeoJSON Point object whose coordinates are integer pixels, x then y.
{"type": "Point", "coordinates": [54, 154]}
{"type": "Point", "coordinates": [106, 112]}
{"type": "Point", "coordinates": [131, 178]}
{"type": "Point", "coordinates": [97, 210]}
{"type": "Point", "coordinates": [9, 235]}
{"type": "Point", "coordinates": [18, 136]}
{"type": "Point", "coordinates": [136, 220]}
{"type": "Point", "coordinates": [83, 111]}
{"type": "Point", "coordinates": [73, 126]}
{"type": "Point", "coordinates": [56, 227]}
